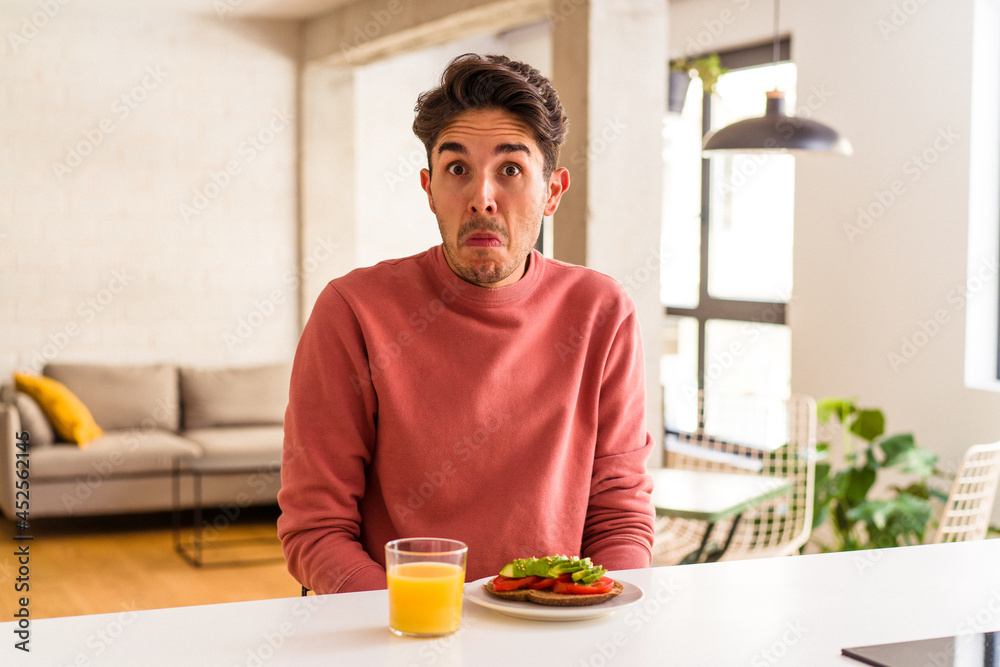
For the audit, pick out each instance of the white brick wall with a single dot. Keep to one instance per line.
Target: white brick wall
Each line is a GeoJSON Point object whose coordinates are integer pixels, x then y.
{"type": "Point", "coordinates": [98, 262]}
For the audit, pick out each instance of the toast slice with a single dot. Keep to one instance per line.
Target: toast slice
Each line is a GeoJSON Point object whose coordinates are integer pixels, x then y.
{"type": "Point", "coordinates": [547, 597]}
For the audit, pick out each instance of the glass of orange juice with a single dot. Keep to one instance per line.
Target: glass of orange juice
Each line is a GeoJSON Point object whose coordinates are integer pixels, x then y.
{"type": "Point", "coordinates": [425, 577]}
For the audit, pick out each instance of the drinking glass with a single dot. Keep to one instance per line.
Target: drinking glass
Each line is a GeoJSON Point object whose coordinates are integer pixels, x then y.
{"type": "Point", "coordinates": [425, 576]}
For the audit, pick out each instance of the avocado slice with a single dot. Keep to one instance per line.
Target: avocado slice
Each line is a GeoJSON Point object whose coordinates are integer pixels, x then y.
{"type": "Point", "coordinates": [582, 569]}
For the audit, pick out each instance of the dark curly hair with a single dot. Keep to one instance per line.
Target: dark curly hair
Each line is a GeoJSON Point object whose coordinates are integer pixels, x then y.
{"type": "Point", "coordinates": [473, 82]}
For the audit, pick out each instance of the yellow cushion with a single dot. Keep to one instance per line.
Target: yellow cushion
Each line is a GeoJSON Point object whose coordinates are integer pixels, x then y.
{"type": "Point", "coordinates": [69, 416]}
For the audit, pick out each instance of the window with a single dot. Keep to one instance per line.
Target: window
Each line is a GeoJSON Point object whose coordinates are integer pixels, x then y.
{"type": "Point", "coordinates": [727, 237]}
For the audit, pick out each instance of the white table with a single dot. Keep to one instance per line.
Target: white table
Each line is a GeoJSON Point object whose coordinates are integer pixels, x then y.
{"type": "Point", "coordinates": [795, 611]}
{"type": "Point", "coordinates": [711, 497]}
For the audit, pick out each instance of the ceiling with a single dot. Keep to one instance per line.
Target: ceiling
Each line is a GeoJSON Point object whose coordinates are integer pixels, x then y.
{"type": "Point", "coordinates": [275, 9]}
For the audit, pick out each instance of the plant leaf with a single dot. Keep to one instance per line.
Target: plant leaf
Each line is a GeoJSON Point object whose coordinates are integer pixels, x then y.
{"type": "Point", "coordinates": [895, 448]}
{"type": "Point", "coordinates": [868, 424]}
{"type": "Point", "coordinates": [938, 494]}
{"type": "Point", "coordinates": [873, 511]}
{"type": "Point", "coordinates": [827, 407]}
{"type": "Point", "coordinates": [870, 459]}
{"type": "Point", "coordinates": [820, 514]}
{"type": "Point", "coordinates": [921, 462]}
{"type": "Point", "coordinates": [910, 516]}
{"type": "Point", "coordinates": [891, 522]}
{"type": "Point", "coordinates": [916, 489]}
{"type": "Point", "coordinates": [855, 484]}
{"type": "Point", "coordinates": [822, 474]}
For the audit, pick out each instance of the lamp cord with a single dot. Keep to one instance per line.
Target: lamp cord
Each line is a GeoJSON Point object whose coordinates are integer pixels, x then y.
{"type": "Point", "coordinates": [776, 52]}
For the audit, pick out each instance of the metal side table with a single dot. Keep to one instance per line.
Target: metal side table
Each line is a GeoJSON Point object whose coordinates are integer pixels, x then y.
{"type": "Point", "coordinates": [198, 468]}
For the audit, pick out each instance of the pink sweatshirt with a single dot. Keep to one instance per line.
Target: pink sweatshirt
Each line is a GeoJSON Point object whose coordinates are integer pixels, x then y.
{"type": "Point", "coordinates": [510, 419]}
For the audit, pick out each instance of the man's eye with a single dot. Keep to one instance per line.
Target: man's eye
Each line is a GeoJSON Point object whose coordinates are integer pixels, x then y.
{"type": "Point", "coordinates": [456, 169]}
{"type": "Point", "coordinates": [511, 170]}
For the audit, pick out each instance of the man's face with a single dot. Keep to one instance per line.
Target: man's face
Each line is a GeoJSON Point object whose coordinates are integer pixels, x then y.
{"type": "Point", "coordinates": [489, 194]}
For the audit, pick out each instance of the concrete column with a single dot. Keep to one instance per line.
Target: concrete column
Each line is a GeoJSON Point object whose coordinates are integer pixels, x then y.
{"type": "Point", "coordinates": [361, 32]}
{"type": "Point", "coordinates": [571, 45]}
{"type": "Point", "coordinates": [327, 178]}
{"type": "Point", "coordinates": [609, 66]}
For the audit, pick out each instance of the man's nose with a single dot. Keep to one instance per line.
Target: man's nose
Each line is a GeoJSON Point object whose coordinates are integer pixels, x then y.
{"type": "Point", "coordinates": [483, 195]}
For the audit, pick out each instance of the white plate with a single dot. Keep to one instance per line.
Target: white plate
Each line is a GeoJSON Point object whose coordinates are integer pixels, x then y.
{"type": "Point", "coordinates": [475, 592]}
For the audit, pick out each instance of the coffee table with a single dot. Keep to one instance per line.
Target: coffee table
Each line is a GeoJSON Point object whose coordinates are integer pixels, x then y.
{"type": "Point", "coordinates": [209, 466]}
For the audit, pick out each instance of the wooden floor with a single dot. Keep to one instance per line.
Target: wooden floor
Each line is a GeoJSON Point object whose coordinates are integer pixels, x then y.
{"type": "Point", "coordinates": [109, 564]}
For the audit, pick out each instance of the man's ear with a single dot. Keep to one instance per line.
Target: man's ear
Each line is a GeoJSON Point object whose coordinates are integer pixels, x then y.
{"type": "Point", "coordinates": [425, 183]}
{"type": "Point", "coordinates": [558, 184]}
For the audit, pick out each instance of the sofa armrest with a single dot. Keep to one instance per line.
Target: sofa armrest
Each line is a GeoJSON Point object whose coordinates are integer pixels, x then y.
{"type": "Point", "coordinates": [10, 426]}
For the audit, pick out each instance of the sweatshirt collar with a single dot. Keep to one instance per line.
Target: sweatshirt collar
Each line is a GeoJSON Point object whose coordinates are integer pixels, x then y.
{"type": "Point", "coordinates": [488, 296]}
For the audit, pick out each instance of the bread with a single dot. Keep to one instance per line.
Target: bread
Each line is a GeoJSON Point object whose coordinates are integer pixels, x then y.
{"type": "Point", "coordinates": [547, 597]}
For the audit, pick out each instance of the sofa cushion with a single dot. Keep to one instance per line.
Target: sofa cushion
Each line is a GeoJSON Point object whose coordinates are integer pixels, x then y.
{"type": "Point", "coordinates": [253, 441]}
{"type": "Point", "coordinates": [116, 453]}
{"type": "Point", "coordinates": [68, 415]}
{"type": "Point", "coordinates": [31, 417]}
{"type": "Point", "coordinates": [34, 421]}
{"type": "Point", "coordinates": [234, 396]}
{"type": "Point", "coordinates": [124, 397]}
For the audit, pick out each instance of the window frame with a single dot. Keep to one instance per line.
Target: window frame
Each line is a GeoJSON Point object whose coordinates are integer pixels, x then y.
{"type": "Point", "coordinates": [709, 307]}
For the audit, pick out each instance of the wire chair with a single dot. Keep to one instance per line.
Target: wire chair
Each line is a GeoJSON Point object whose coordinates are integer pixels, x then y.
{"type": "Point", "coordinates": [967, 512]}
{"type": "Point", "coordinates": [754, 436]}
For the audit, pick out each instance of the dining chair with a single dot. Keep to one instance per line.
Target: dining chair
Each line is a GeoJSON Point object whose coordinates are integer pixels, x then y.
{"type": "Point", "coordinates": [749, 435]}
{"type": "Point", "coordinates": [970, 503]}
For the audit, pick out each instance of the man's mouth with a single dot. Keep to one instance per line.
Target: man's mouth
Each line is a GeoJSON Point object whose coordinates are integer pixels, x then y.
{"type": "Point", "coordinates": [483, 240]}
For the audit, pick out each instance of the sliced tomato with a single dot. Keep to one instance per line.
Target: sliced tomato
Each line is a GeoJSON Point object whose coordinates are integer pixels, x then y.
{"type": "Point", "coordinates": [602, 585]}
{"type": "Point", "coordinates": [502, 583]}
{"type": "Point", "coordinates": [549, 582]}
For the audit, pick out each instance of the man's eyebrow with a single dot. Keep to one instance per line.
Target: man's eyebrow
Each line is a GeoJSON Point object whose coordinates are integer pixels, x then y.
{"type": "Point", "coordinates": [511, 148]}
{"type": "Point", "coordinates": [452, 146]}
{"type": "Point", "coordinates": [501, 149]}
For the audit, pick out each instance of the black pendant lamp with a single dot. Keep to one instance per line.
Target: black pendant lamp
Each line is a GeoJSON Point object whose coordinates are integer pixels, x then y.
{"type": "Point", "coordinates": [776, 132]}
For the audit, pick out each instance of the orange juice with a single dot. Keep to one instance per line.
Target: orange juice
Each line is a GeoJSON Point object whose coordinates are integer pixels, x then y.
{"type": "Point", "coordinates": [425, 598]}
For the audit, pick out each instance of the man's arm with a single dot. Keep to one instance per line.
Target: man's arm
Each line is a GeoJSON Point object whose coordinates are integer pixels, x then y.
{"type": "Point", "coordinates": [618, 532]}
{"type": "Point", "coordinates": [329, 441]}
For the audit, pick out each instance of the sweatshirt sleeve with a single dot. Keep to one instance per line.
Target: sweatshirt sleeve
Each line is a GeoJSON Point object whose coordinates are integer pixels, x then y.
{"type": "Point", "coordinates": [618, 532]}
{"type": "Point", "coordinates": [329, 442]}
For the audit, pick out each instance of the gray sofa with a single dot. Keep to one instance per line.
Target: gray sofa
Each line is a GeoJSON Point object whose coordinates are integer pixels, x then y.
{"type": "Point", "coordinates": [150, 415]}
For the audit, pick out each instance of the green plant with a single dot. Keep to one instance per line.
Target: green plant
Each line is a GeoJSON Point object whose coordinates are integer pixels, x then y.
{"type": "Point", "coordinates": [856, 521]}
{"type": "Point", "coordinates": [707, 68]}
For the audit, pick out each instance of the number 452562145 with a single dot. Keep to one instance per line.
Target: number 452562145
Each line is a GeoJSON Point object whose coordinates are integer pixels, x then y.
{"type": "Point", "coordinates": [21, 495]}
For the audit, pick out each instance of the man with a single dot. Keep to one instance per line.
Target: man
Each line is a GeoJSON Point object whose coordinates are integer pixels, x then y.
{"type": "Point", "coordinates": [476, 391]}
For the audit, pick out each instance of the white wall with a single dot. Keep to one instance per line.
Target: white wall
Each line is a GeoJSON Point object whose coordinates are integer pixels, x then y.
{"type": "Point", "coordinates": [144, 248]}
{"type": "Point", "coordinates": [878, 309]}
{"type": "Point", "coordinates": [899, 85]}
